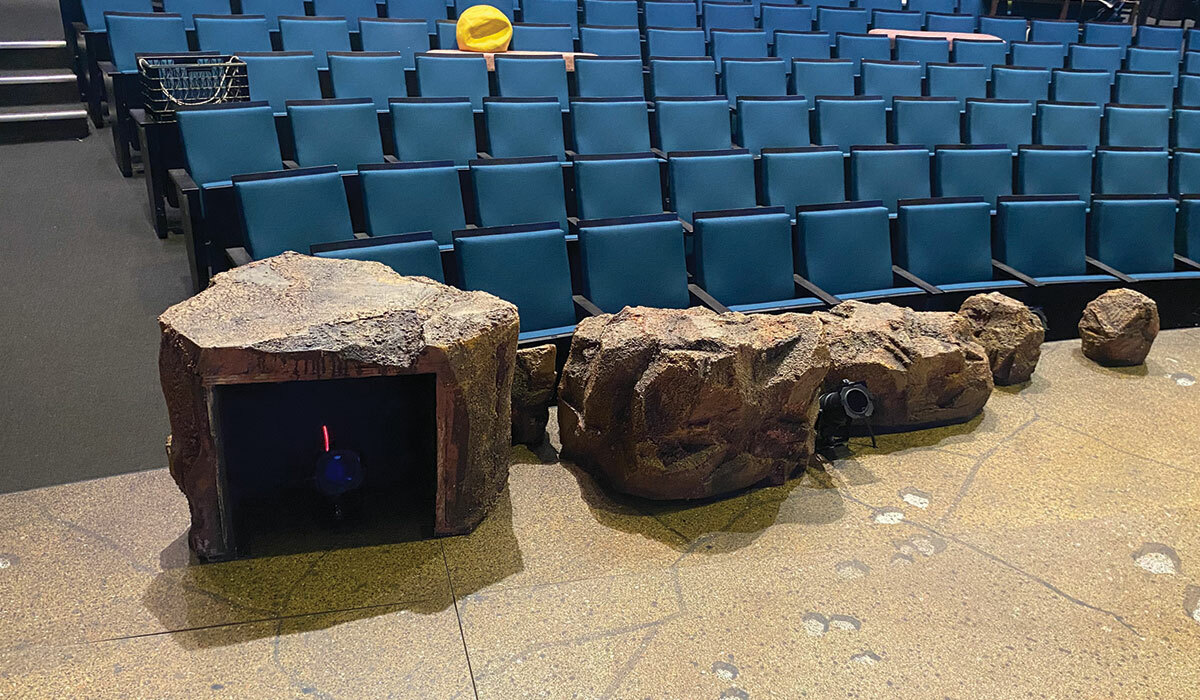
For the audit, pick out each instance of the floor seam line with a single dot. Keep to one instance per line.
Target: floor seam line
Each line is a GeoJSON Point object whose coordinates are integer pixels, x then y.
{"type": "Point", "coordinates": [462, 635]}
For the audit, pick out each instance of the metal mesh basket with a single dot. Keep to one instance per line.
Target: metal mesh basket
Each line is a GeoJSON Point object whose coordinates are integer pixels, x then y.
{"type": "Point", "coordinates": [176, 80]}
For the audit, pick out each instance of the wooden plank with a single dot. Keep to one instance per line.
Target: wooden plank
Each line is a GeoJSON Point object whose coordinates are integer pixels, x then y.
{"type": "Point", "coordinates": [490, 56]}
{"type": "Point", "coordinates": [948, 36]}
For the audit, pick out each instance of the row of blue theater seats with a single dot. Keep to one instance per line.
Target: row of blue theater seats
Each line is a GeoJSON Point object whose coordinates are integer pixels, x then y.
{"type": "Point", "coordinates": [832, 252]}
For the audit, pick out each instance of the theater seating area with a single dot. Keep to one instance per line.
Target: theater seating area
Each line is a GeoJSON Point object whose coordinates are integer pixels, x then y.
{"type": "Point", "coordinates": [616, 183]}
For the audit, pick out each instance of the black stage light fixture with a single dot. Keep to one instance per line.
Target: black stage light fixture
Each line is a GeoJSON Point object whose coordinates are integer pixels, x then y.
{"type": "Point", "coordinates": [338, 472]}
{"type": "Point", "coordinates": [838, 412]}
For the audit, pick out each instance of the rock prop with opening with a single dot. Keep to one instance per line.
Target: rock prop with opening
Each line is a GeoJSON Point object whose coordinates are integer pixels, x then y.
{"type": "Point", "coordinates": [294, 317]}
{"type": "Point", "coordinates": [683, 404]}
{"type": "Point", "coordinates": [1118, 327]}
{"type": "Point", "coordinates": [925, 368]}
{"type": "Point", "coordinates": [1010, 333]}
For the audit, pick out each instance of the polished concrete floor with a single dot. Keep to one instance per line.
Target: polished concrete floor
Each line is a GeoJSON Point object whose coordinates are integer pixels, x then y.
{"type": "Point", "coordinates": [1049, 548]}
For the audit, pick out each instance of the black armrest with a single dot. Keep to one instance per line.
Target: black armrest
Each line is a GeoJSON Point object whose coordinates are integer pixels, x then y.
{"type": "Point", "coordinates": [1015, 273]}
{"type": "Point", "coordinates": [659, 153]}
{"type": "Point", "coordinates": [1187, 262]}
{"type": "Point", "coordinates": [687, 228]}
{"type": "Point", "coordinates": [483, 155]}
{"type": "Point", "coordinates": [915, 281]}
{"type": "Point", "coordinates": [585, 305]}
{"type": "Point", "coordinates": [361, 235]}
{"type": "Point", "coordinates": [139, 117]}
{"type": "Point", "coordinates": [390, 159]}
{"type": "Point", "coordinates": [1109, 270]}
{"type": "Point", "coordinates": [816, 291]}
{"type": "Point", "coordinates": [183, 181]}
{"type": "Point", "coordinates": [238, 256]}
{"type": "Point", "coordinates": [706, 299]}
{"type": "Point", "coordinates": [291, 165]}
{"type": "Point", "coordinates": [108, 68]}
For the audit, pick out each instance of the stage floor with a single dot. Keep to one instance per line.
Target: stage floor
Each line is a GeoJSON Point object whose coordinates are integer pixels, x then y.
{"type": "Point", "coordinates": [1049, 548]}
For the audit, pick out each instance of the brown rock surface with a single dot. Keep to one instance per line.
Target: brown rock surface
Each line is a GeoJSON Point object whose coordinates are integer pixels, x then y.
{"type": "Point", "coordinates": [1118, 327]}
{"type": "Point", "coordinates": [295, 317]}
{"type": "Point", "coordinates": [1010, 333]}
{"type": "Point", "coordinates": [672, 404]}
{"type": "Point", "coordinates": [534, 379]}
{"type": "Point", "coordinates": [924, 368]}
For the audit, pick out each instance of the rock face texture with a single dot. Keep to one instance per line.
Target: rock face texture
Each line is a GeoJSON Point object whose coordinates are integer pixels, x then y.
{"type": "Point", "coordinates": [924, 368]}
{"type": "Point", "coordinates": [534, 379]}
{"type": "Point", "coordinates": [294, 317]}
{"type": "Point", "coordinates": [1010, 333]}
{"type": "Point", "coordinates": [1118, 327]}
{"type": "Point", "coordinates": [675, 404]}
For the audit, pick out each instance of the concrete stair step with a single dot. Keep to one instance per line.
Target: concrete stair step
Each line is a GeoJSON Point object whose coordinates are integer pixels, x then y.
{"type": "Point", "coordinates": [34, 54]}
{"type": "Point", "coordinates": [37, 86]}
{"type": "Point", "coordinates": [53, 122]}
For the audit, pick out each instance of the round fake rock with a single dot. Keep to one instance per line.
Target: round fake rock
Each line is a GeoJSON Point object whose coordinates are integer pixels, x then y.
{"type": "Point", "coordinates": [483, 28]}
{"type": "Point", "coordinates": [1010, 333]}
{"type": "Point", "coordinates": [1118, 327]}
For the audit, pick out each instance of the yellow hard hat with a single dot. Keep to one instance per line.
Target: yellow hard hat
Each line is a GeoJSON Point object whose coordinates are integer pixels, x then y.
{"type": "Point", "coordinates": [483, 28]}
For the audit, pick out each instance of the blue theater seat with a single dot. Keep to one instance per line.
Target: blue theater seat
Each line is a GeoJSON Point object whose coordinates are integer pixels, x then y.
{"type": "Point", "coordinates": [973, 171]}
{"type": "Point", "coordinates": [273, 10]}
{"type": "Point", "coordinates": [1185, 128]}
{"type": "Point", "coordinates": [1189, 90]}
{"type": "Point", "coordinates": [711, 180]}
{"type": "Point", "coordinates": [1135, 88]}
{"type": "Point", "coordinates": [633, 261]}
{"type": "Point", "coordinates": [922, 50]}
{"type": "Point", "coordinates": [895, 19]}
{"type": "Point", "coordinates": [94, 10]}
{"type": "Point", "coordinates": [792, 177]}
{"type": "Point", "coordinates": [839, 20]}
{"type": "Point", "coordinates": [958, 80]}
{"type": "Point", "coordinates": [927, 6]}
{"type": "Point", "coordinates": [1021, 83]}
{"type": "Point", "coordinates": [223, 140]}
{"type": "Point", "coordinates": [542, 37]}
{"type": "Point", "coordinates": [675, 42]}
{"type": "Point", "coordinates": [603, 125]}
{"type": "Point", "coordinates": [1055, 170]}
{"type": "Point", "coordinates": [1135, 234]}
{"type": "Point", "coordinates": [319, 35]}
{"type": "Point", "coordinates": [551, 12]}
{"type": "Point", "coordinates": [1153, 36]}
{"type": "Point", "coordinates": [1009, 29]}
{"type": "Point", "coordinates": [927, 121]}
{"type": "Point", "coordinates": [441, 75]}
{"type": "Point", "coordinates": [947, 242]}
{"type": "Point", "coordinates": [1131, 170]}
{"type": "Point", "coordinates": [377, 75]}
{"type": "Point", "coordinates": [728, 243]}
{"type": "Point", "coordinates": [738, 43]}
{"type": "Point", "coordinates": [889, 173]}
{"type": "Point", "coordinates": [1152, 60]}
{"type": "Point", "coordinates": [343, 133]}
{"type": "Point", "coordinates": [986, 53]}
{"type": "Point", "coordinates": [1185, 171]}
{"type": "Point", "coordinates": [727, 15]}
{"type": "Point", "coordinates": [609, 76]}
{"type": "Point", "coordinates": [1068, 124]}
{"type": "Point", "coordinates": [413, 254]}
{"type": "Point", "coordinates": [785, 17]}
{"type": "Point", "coordinates": [882, 5]}
{"type": "Point", "coordinates": [276, 77]}
{"type": "Point", "coordinates": [519, 127]}
{"type": "Point", "coordinates": [792, 46]}
{"type": "Point", "coordinates": [1091, 57]}
{"type": "Point", "coordinates": [610, 13]}
{"type": "Point", "coordinates": [753, 77]}
{"type": "Point", "coordinates": [351, 10]}
{"type": "Point", "coordinates": [518, 191]}
{"type": "Point", "coordinates": [1038, 54]}
{"type": "Point", "coordinates": [772, 122]}
{"type": "Point", "coordinates": [433, 128]}
{"type": "Point", "coordinates": [406, 36]}
{"type": "Point", "coordinates": [508, 7]}
{"type": "Point", "coordinates": [611, 40]}
{"type": "Point", "coordinates": [856, 47]}
{"type": "Point", "coordinates": [683, 77]}
{"type": "Point", "coordinates": [429, 10]}
{"type": "Point", "coordinates": [851, 121]}
{"type": "Point", "coordinates": [1187, 230]}
{"type": "Point", "coordinates": [692, 123]}
{"type": "Point", "coordinates": [844, 248]}
{"type": "Point", "coordinates": [1137, 125]}
{"type": "Point", "coordinates": [822, 77]}
{"type": "Point", "coordinates": [670, 14]}
{"type": "Point", "coordinates": [609, 186]}
{"type": "Point", "coordinates": [890, 79]}
{"type": "Point", "coordinates": [1051, 30]}
{"type": "Point", "coordinates": [411, 197]}
{"type": "Point", "coordinates": [131, 33]}
{"type": "Point", "coordinates": [1111, 33]}
{"type": "Point", "coordinates": [999, 121]}
{"type": "Point", "coordinates": [232, 34]}
{"type": "Point", "coordinates": [533, 76]}
{"type": "Point", "coordinates": [291, 210]}
{"type": "Point", "coordinates": [526, 265]}
{"type": "Point", "coordinates": [1044, 237]}
{"type": "Point", "coordinates": [950, 22]}
{"type": "Point", "coordinates": [1091, 86]}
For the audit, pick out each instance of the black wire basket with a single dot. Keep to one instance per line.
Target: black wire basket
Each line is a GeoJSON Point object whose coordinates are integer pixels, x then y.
{"type": "Point", "coordinates": [170, 81]}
